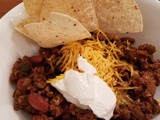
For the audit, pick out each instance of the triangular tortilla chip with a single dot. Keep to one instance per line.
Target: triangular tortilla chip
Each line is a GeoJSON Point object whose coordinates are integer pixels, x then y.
{"type": "Point", "coordinates": [20, 27]}
{"type": "Point", "coordinates": [82, 10]}
{"type": "Point", "coordinates": [33, 7]}
{"type": "Point", "coordinates": [56, 30]}
{"type": "Point", "coordinates": [118, 16]}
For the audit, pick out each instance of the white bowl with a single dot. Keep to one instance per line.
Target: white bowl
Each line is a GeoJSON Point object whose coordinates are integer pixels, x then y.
{"type": "Point", "coordinates": [14, 45]}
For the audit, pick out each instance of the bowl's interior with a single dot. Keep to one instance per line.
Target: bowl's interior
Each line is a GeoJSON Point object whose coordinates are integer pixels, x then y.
{"type": "Point", "coordinates": [14, 45]}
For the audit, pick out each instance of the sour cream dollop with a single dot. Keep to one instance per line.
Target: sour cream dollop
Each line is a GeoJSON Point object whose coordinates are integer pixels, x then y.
{"type": "Point", "coordinates": [87, 91]}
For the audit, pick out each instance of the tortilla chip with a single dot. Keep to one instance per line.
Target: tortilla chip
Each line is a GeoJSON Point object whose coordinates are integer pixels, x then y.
{"type": "Point", "coordinates": [82, 10]}
{"type": "Point", "coordinates": [118, 16]}
{"type": "Point", "coordinates": [33, 7]}
{"type": "Point", "coordinates": [20, 27]}
{"type": "Point", "coordinates": [56, 30]}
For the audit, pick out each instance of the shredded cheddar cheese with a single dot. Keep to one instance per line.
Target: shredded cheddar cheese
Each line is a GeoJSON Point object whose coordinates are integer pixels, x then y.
{"type": "Point", "coordinates": [60, 77]}
{"type": "Point", "coordinates": [104, 57]}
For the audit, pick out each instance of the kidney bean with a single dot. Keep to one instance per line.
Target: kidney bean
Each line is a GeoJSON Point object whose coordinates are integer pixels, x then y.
{"type": "Point", "coordinates": [38, 102]}
{"type": "Point", "coordinates": [22, 84]}
{"type": "Point", "coordinates": [36, 59]}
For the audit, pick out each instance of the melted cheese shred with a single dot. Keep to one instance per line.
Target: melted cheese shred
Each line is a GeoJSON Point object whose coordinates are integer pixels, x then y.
{"type": "Point", "coordinates": [104, 57]}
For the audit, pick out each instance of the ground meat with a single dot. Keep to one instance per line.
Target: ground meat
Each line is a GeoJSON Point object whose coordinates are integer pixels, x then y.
{"type": "Point", "coordinates": [44, 102]}
{"type": "Point", "coordinates": [121, 113]}
{"type": "Point", "coordinates": [135, 56]}
{"type": "Point", "coordinates": [149, 48]}
{"type": "Point", "coordinates": [41, 117]}
{"type": "Point", "coordinates": [21, 68]}
{"type": "Point", "coordinates": [81, 114]}
{"type": "Point", "coordinates": [40, 99]}
{"type": "Point", "coordinates": [127, 39]}
{"type": "Point", "coordinates": [147, 82]}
